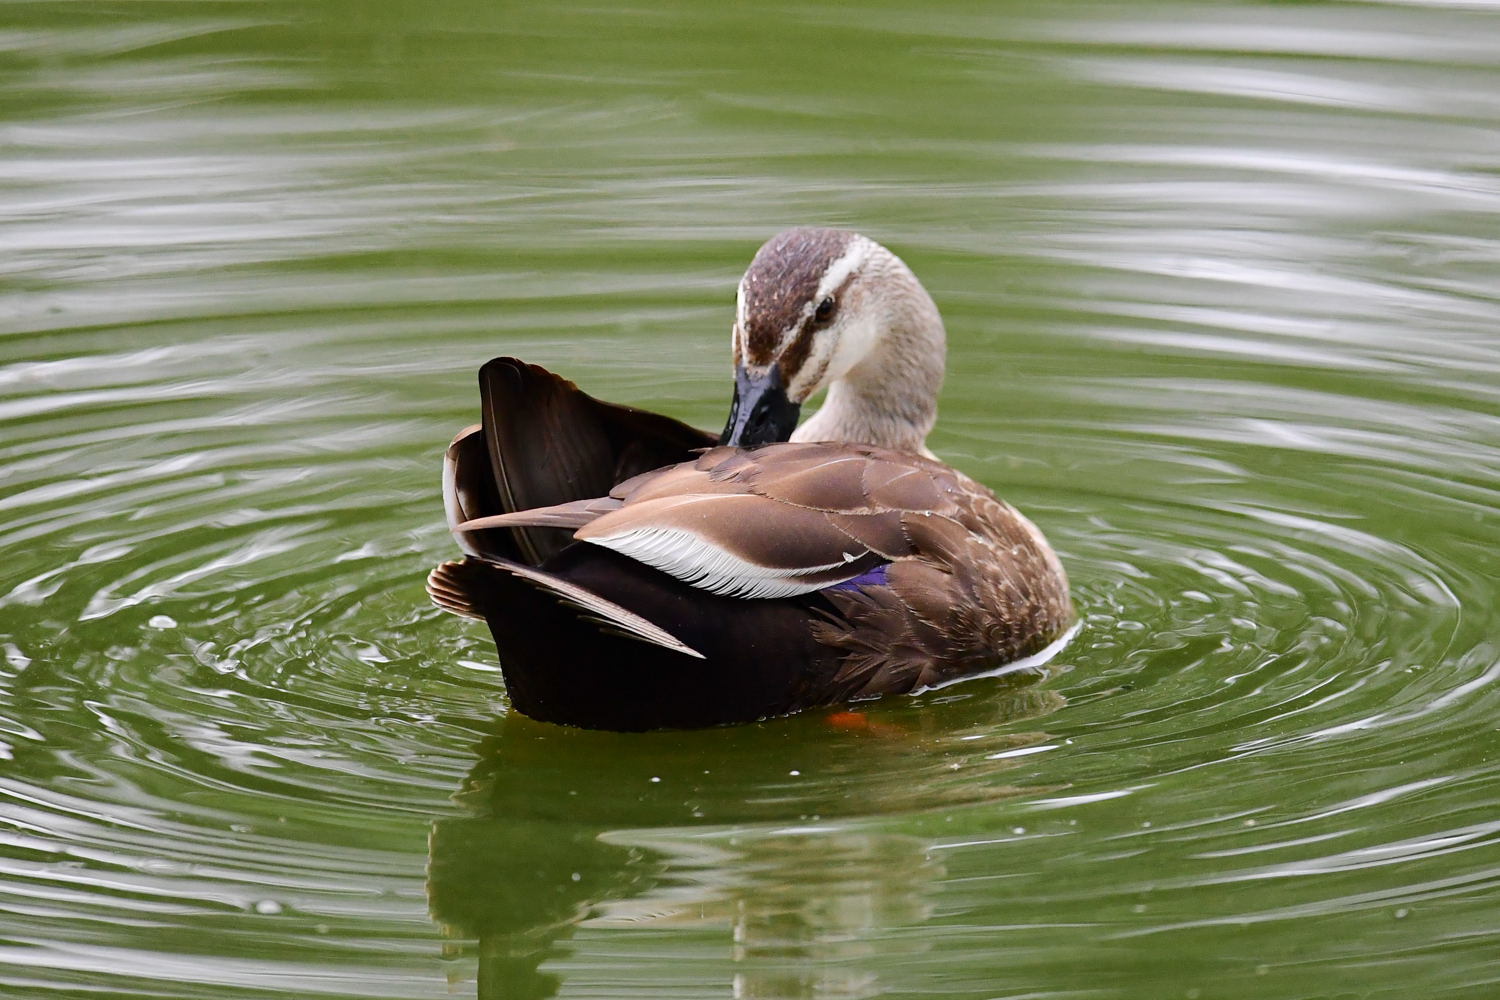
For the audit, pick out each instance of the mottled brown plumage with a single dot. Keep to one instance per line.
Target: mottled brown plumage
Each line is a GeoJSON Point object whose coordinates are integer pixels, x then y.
{"type": "Point", "coordinates": [970, 584]}
{"type": "Point", "coordinates": [635, 576]}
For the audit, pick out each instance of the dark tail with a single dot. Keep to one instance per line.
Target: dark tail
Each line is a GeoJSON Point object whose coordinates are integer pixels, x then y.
{"type": "Point", "coordinates": [550, 443]}
{"type": "Point", "coordinates": [485, 589]}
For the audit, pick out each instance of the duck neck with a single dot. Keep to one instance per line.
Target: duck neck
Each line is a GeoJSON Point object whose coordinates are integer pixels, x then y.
{"type": "Point", "coordinates": [889, 399]}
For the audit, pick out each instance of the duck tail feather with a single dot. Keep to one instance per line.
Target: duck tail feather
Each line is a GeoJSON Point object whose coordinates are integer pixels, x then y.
{"type": "Point", "coordinates": [450, 587]}
{"type": "Point", "coordinates": [563, 515]}
{"type": "Point", "coordinates": [469, 493]}
{"type": "Point", "coordinates": [461, 588]}
{"type": "Point", "coordinates": [550, 443]}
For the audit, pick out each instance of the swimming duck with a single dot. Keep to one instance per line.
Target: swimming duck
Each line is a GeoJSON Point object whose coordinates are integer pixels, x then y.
{"type": "Point", "coordinates": [638, 573]}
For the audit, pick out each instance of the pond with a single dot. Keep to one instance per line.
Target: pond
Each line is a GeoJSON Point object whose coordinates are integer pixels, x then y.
{"type": "Point", "coordinates": [1220, 287]}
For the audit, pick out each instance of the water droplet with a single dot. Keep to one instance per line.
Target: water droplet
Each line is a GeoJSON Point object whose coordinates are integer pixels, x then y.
{"type": "Point", "coordinates": [162, 621]}
{"type": "Point", "coordinates": [655, 780]}
{"type": "Point", "coordinates": [576, 876]}
{"type": "Point", "coordinates": [269, 907]}
{"type": "Point", "coordinates": [794, 773]}
{"type": "Point", "coordinates": [1401, 913]}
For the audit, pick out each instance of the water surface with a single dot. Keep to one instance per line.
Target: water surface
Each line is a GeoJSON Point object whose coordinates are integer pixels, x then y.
{"type": "Point", "coordinates": [1220, 287]}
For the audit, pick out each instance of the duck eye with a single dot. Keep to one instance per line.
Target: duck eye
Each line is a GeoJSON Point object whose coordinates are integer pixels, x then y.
{"type": "Point", "coordinates": [824, 312]}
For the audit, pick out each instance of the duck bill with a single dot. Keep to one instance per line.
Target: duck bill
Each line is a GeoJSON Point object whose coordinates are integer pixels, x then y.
{"type": "Point", "coordinates": [761, 412]}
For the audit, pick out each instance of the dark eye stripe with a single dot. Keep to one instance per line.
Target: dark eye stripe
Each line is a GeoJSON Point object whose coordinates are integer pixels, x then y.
{"type": "Point", "coordinates": [795, 355]}
{"type": "Point", "coordinates": [797, 351]}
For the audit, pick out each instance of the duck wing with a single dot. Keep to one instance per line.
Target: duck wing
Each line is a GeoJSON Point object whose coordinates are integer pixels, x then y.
{"type": "Point", "coordinates": [773, 522]}
{"type": "Point", "coordinates": [543, 441]}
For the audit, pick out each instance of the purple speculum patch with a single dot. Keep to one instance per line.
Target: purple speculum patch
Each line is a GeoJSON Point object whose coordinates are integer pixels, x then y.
{"type": "Point", "coordinates": [870, 578]}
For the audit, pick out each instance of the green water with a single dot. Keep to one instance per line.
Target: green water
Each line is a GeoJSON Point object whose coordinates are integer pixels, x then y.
{"type": "Point", "coordinates": [1221, 287]}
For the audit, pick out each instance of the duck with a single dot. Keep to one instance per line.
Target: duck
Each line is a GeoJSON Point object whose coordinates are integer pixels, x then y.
{"type": "Point", "coordinates": [639, 573]}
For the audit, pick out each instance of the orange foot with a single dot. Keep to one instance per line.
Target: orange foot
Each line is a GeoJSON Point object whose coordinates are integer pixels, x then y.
{"type": "Point", "coordinates": [859, 720]}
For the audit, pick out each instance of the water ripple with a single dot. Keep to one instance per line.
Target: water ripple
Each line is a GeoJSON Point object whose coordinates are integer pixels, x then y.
{"type": "Point", "coordinates": [1221, 309]}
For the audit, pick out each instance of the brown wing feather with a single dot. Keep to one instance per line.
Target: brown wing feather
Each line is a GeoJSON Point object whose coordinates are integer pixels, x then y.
{"type": "Point", "coordinates": [971, 584]}
{"type": "Point", "coordinates": [564, 515]}
{"type": "Point", "coordinates": [881, 533]}
{"type": "Point", "coordinates": [785, 518]}
{"type": "Point", "coordinates": [833, 484]}
{"type": "Point", "coordinates": [894, 486]}
{"type": "Point", "coordinates": [791, 541]}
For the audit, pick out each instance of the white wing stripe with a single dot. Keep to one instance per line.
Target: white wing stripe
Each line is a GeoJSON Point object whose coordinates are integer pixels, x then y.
{"type": "Point", "coordinates": [687, 557]}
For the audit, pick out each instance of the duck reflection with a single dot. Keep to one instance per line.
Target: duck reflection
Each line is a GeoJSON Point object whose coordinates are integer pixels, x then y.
{"type": "Point", "coordinates": [791, 842]}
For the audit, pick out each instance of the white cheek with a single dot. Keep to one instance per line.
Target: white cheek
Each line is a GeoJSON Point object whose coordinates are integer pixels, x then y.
{"type": "Point", "coordinates": [855, 340]}
{"type": "Point", "coordinates": [814, 372]}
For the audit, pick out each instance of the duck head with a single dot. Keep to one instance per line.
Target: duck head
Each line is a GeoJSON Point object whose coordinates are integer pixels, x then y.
{"type": "Point", "coordinates": [830, 309]}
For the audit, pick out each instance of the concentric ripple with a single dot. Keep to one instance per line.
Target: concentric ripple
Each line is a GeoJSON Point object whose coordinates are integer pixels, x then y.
{"type": "Point", "coordinates": [1220, 294]}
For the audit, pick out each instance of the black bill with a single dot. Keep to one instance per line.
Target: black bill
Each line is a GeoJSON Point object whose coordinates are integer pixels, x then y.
{"type": "Point", "coordinates": [760, 413]}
